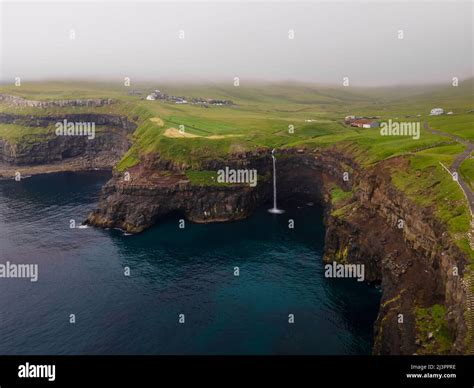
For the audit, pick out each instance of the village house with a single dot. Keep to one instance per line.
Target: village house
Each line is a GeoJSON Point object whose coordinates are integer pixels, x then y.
{"type": "Point", "coordinates": [364, 123]}
{"type": "Point", "coordinates": [349, 119]}
{"type": "Point", "coordinates": [154, 96]}
{"type": "Point", "coordinates": [436, 112]}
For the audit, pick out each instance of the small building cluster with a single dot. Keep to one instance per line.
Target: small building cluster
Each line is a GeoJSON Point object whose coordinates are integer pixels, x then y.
{"type": "Point", "coordinates": [361, 122]}
{"type": "Point", "coordinates": [371, 122]}
{"type": "Point", "coordinates": [158, 95]}
{"type": "Point", "coordinates": [211, 101]}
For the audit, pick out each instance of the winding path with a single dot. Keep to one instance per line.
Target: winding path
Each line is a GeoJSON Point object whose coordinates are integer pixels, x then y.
{"type": "Point", "coordinates": [457, 163]}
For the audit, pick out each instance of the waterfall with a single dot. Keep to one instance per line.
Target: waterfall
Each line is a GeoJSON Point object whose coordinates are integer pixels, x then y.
{"type": "Point", "coordinates": [274, 210]}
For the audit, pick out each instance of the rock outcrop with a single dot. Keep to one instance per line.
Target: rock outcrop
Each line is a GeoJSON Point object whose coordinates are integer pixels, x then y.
{"type": "Point", "coordinates": [42, 146]}
{"type": "Point", "coordinates": [138, 199]}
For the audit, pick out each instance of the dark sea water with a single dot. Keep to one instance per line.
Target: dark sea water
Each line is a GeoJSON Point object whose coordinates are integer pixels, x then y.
{"type": "Point", "coordinates": [173, 271]}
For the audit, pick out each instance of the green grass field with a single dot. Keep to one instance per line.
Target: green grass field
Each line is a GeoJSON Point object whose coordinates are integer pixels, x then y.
{"type": "Point", "coordinates": [467, 172]}
{"type": "Point", "coordinates": [262, 118]}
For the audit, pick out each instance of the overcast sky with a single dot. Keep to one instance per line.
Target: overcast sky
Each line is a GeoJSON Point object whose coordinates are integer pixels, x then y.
{"type": "Point", "coordinates": [249, 40]}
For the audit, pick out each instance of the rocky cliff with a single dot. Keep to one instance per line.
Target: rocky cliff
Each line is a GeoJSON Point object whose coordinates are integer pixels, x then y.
{"type": "Point", "coordinates": [405, 248]}
{"type": "Point", "coordinates": [42, 146]}
{"type": "Point", "coordinates": [135, 200]}
{"type": "Point", "coordinates": [415, 262]}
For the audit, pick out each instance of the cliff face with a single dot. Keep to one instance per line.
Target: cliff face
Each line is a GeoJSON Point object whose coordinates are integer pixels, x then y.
{"type": "Point", "coordinates": [110, 143]}
{"type": "Point", "coordinates": [158, 188]}
{"type": "Point", "coordinates": [417, 264]}
{"type": "Point", "coordinates": [135, 207]}
{"type": "Point", "coordinates": [414, 264]}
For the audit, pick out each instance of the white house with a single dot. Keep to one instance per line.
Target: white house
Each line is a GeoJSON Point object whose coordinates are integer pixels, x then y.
{"type": "Point", "coordinates": [151, 97]}
{"type": "Point", "coordinates": [349, 119]}
{"type": "Point", "coordinates": [436, 111]}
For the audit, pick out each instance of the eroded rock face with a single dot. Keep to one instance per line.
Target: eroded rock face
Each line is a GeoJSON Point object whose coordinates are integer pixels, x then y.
{"type": "Point", "coordinates": [157, 188]}
{"type": "Point", "coordinates": [413, 264]}
{"type": "Point", "coordinates": [136, 207]}
{"type": "Point", "coordinates": [111, 140]}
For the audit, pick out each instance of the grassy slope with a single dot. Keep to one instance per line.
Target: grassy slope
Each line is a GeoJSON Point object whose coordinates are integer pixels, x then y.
{"type": "Point", "coordinates": [467, 171]}
{"type": "Point", "coordinates": [431, 186]}
{"type": "Point", "coordinates": [433, 330]}
{"type": "Point", "coordinates": [263, 114]}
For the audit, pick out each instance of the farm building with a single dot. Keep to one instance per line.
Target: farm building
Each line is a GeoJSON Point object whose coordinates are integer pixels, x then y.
{"type": "Point", "coordinates": [436, 111]}
{"type": "Point", "coordinates": [364, 123]}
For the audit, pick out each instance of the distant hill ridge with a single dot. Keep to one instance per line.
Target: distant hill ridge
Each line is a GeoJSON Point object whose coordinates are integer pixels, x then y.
{"type": "Point", "coordinates": [23, 102]}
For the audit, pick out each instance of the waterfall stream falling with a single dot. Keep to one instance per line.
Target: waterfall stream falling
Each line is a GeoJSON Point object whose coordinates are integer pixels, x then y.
{"type": "Point", "coordinates": [275, 209]}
